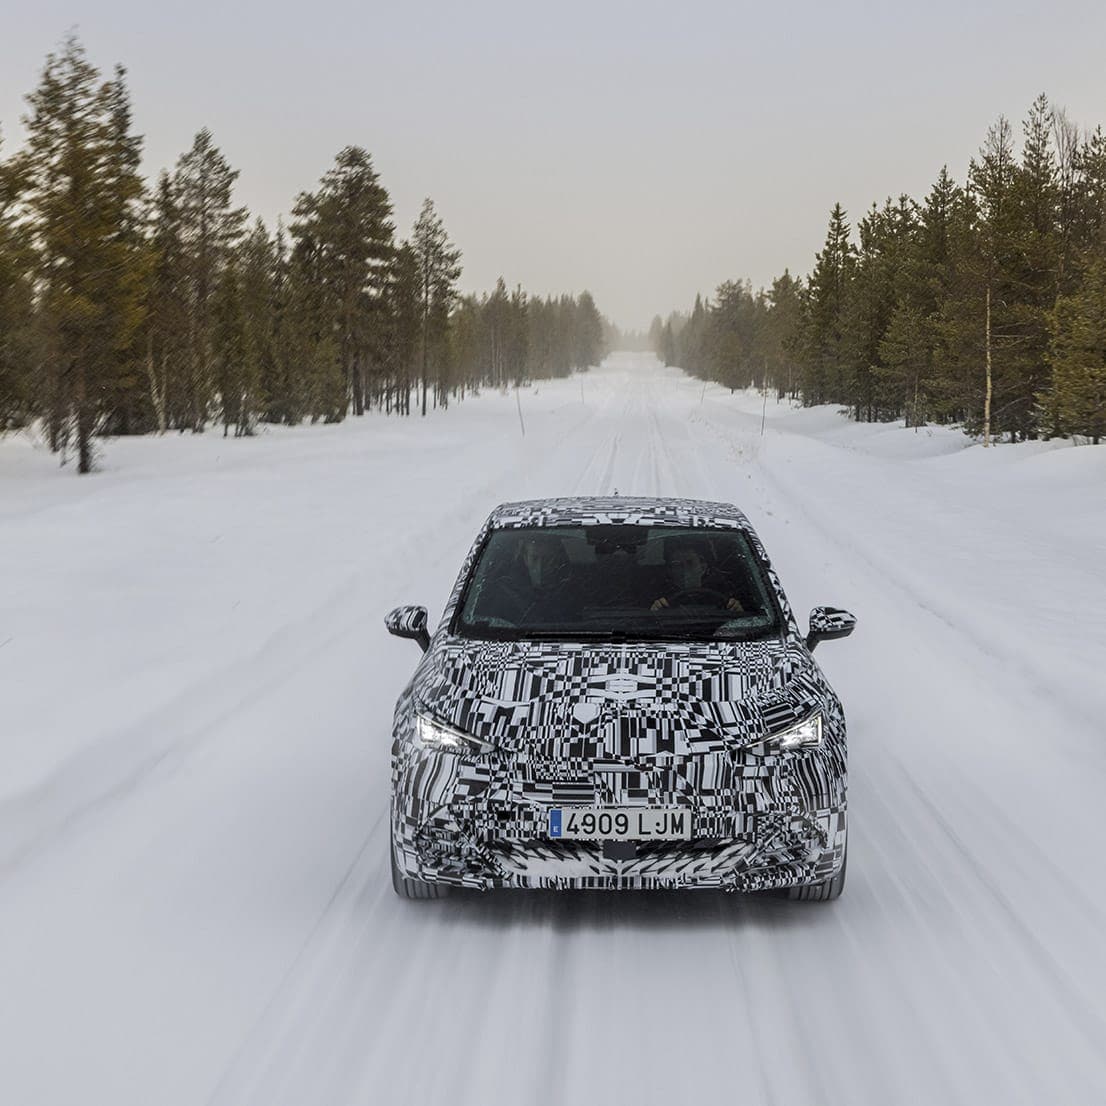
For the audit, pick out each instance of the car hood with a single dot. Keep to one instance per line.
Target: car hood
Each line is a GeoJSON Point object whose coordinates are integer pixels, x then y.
{"type": "Point", "coordinates": [628, 701]}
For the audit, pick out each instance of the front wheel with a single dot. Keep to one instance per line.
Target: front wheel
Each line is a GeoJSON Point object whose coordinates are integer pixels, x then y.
{"type": "Point", "coordinates": [408, 888]}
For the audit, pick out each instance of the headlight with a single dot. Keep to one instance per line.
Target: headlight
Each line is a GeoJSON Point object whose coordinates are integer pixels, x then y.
{"type": "Point", "coordinates": [806, 734]}
{"type": "Point", "coordinates": [431, 733]}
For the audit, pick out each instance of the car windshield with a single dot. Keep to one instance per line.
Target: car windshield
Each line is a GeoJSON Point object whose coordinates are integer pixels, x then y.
{"type": "Point", "coordinates": [617, 583]}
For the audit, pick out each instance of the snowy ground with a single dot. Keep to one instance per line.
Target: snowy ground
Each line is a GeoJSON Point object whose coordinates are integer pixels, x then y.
{"type": "Point", "coordinates": [196, 695]}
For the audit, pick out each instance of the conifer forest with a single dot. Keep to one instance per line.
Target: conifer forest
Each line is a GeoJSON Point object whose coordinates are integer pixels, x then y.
{"type": "Point", "coordinates": [130, 307]}
{"type": "Point", "coordinates": [982, 304]}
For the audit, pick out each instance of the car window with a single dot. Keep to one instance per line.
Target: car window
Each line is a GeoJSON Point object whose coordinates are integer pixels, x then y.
{"type": "Point", "coordinates": [617, 582]}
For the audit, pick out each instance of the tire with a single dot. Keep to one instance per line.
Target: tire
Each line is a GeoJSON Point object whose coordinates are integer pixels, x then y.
{"type": "Point", "coordinates": [408, 888]}
{"type": "Point", "coordinates": [825, 891]}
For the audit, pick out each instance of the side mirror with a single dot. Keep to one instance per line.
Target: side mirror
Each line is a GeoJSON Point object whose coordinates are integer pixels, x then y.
{"type": "Point", "coordinates": [409, 622]}
{"type": "Point", "coordinates": [826, 623]}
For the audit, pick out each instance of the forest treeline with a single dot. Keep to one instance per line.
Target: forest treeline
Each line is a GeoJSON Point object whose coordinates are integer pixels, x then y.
{"type": "Point", "coordinates": [128, 307]}
{"type": "Point", "coordinates": [983, 304]}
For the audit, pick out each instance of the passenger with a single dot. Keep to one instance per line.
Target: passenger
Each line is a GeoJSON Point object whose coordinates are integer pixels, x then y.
{"type": "Point", "coordinates": [545, 561]}
{"type": "Point", "coordinates": [541, 585]}
{"type": "Point", "coordinates": [688, 572]}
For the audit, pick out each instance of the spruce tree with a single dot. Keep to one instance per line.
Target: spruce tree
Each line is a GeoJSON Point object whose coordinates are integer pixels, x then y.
{"type": "Point", "coordinates": [1077, 355]}
{"type": "Point", "coordinates": [210, 227]}
{"type": "Point", "coordinates": [988, 261]}
{"type": "Point", "coordinates": [886, 241]}
{"type": "Point", "coordinates": [824, 315]}
{"type": "Point", "coordinates": [589, 332]}
{"type": "Point", "coordinates": [439, 270]}
{"type": "Point", "coordinates": [167, 312]}
{"type": "Point", "coordinates": [405, 332]}
{"type": "Point", "coordinates": [16, 305]}
{"type": "Point", "coordinates": [257, 275]}
{"type": "Point", "coordinates": [84, 203]}
{"type": "Point", "coordinates": [781, 332]}
{"type": "Point", "coordinates": [228, 345]}
{"type": "Point", "coordinates": [1035, 269]}
{"type": "Point", "coordinates": [283, 379]}
{"type": "Point", "coordinates": [346, 224]}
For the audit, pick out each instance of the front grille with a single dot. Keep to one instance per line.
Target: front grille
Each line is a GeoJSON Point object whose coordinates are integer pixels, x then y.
{"type": "Point", "coordinates": [556, 792]}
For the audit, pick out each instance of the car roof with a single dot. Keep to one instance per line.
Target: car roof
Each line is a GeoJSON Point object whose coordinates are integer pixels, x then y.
{"type": "Point", "coordinates": [618, 510]}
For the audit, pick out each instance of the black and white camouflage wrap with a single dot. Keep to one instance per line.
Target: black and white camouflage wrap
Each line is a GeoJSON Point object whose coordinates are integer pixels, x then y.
{"type": "Point", "coordinates": [591, 725]}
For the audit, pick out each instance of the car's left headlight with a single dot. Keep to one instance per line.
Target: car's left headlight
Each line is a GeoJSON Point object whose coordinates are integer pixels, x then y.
{"type": "Point", "coordinates": [433, 733]}
{"type": "Point", "coordinates": [806, 734]}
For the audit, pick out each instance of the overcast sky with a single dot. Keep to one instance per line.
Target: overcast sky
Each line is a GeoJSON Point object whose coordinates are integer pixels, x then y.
{"type": "Point", "coordinates": [644, 151]}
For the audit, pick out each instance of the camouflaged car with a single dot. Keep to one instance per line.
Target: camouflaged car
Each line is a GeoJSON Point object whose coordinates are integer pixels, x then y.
{"type": "Point", "coordinates": [618, 696]}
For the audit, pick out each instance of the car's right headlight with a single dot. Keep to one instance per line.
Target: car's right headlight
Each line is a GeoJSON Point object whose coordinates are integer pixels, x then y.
{"type": "Point", "coordinates": [433, 733]}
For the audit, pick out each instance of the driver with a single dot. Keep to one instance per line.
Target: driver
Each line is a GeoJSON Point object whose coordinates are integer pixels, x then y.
{"type": "Point", "coordinates": [687, 571]}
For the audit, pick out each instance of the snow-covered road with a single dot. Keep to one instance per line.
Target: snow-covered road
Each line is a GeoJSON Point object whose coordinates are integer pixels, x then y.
{"type": "Point", "coordinates": [196, 697]}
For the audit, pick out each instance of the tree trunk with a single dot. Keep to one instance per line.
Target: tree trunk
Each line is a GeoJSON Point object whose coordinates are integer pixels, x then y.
{"type": "Point", "coordinates": [987, 393]}
{"type": "Point", "coordinates": [84, 420]}
{"type": "Point", "coordinates": [157, 393]}
{"type": "Point", "coordinates": [425, 360]}
{"type": "Point", "coordinates": [356, 386]}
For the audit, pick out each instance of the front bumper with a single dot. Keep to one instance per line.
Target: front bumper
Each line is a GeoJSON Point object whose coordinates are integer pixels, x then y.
{"type": "Point", "coordinates": [484, 845]}
{"type": "Point", "coordinates": [774, 851]}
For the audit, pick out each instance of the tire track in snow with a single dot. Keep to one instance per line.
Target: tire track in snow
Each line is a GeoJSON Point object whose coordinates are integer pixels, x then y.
{"type": "Point", "coordinates": [276, 1032]}
{"type": "Point", "coordinates": [221, 1088]}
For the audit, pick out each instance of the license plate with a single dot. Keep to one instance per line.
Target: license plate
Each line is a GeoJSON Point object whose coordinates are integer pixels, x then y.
{"type": "Point", "coordinates": [619, 824]}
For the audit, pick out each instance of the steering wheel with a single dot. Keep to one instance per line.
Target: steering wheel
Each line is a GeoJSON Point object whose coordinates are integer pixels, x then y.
{"type": "Point", "coordinates": [695, 596]}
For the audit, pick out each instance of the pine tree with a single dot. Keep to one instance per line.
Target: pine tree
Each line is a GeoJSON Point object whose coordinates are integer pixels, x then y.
{"type": "Point", "coordinates": [1035, 269]}
{"type": "Point", "coordinates": [782, 323]}
{"type": "Point", "coordinates": [167, 317]}
{"type": "Point", "coordinates": [347, 223]}
{"type": "Point", "coordinates": [824, 316]}
{"type": "Point", "coordinates": [228, 345]}
{"type": "Point", "coordinates": [910, 348]}
{"type": "Point", "coordinates": [16, 305]}
{"type": "Point", "coordinates": [988, 262]}
{"type": "Point", "coordinates": [466, 341]}
{"type": "Point", "coordinates": [495, 314]}
{"type": "Point", "coordinates": [541, 344]}
{"type": "Point", "coordinates": [1078, 357]}
{"type": "Point", "coordinates": [124, 281]}
{"type": "Point", "coordinates": [690, 348]}
{"type": "Point", "coordinates": [283, 385]}
{"type": "Point", "coordinates": [887, 238]}
{"type": "Point", "coordinates": [1089, 203]}
{"type": "Point", "coordinates": [589, 332]}
{"type": "Point", "coordinates": [257, 275]}
{"type": "Point", "coordinates": [730, 336]}
{"type": "Point", "coordinates": [84, 201]}
{"type": "Point", "coordinates": [439, 270]}
{"type": "Point", "coordinates": [210, 228]}
{"type": "Point", "coordinates": [313, 354]}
